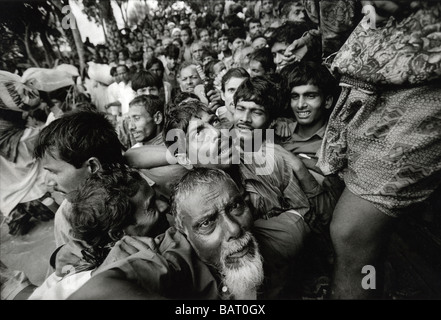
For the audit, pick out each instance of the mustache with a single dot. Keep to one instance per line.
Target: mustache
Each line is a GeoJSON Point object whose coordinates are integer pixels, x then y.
{"type": "Point", "coordinates": [238, 245]}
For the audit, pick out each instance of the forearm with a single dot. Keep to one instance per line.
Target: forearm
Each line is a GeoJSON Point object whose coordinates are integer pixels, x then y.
{"type": "Point", "coordinates": [114, 103]}
{"type": "Point", "coordinates": [146, 157]}
{"type": "Point", "coordinates": [112, 285]}
{"type": "Point", "coordinates": [307, 181]}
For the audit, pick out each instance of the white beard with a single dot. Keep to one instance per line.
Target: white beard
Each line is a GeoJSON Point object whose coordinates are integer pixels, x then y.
{"type": "Point", "coordinates": [242, 281]}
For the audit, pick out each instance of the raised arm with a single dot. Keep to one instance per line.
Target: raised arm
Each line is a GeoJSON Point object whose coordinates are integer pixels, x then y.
{"type": "Point", "coordinates": [147, 157]}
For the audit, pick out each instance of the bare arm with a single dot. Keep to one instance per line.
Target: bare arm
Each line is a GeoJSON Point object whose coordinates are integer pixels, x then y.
{"type": "Point", "coordinates": [112, 285]}
{"type": "Point", "coordinates": [147, 157]}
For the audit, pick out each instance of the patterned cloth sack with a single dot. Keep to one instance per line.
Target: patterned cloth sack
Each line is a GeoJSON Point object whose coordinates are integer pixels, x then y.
{"type": "Point", "coordinates": [405, 52]}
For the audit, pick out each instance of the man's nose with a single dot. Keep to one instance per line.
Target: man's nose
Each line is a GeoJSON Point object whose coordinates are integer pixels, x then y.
{"type": "Point", "coordinates": [232, 227]}
{"type": "Point", "coordinates": [214, 133]}
{"type": "Point", "coordinates": [302, 102]}
{"type": "Point", "coordinates": [279, 58]}
{"type": "Point", "coordinates": [50, 180]}
{"type": "Point", "coordinates": [245, 117]}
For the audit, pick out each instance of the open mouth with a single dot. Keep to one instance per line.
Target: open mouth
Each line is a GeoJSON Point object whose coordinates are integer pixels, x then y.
{"type": "Point", "coordinates": [304, 114]}
{"type": "Point", "coordinates": [238, 254]}
{"type": "Point", "coordinates": [244, 129]}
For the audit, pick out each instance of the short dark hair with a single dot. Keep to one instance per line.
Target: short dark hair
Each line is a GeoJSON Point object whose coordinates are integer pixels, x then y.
{"type": "Point", "coordinates": [265, 57]}
{"type": "Point", "coordinates": [233, 73]}
{"type": "Point", "coordinates": [233, 21]}
{"type": "Point", "coordinates": [172, 51]}
{"type": "Point", "coordinates": [235, 33]}
{"type": "Point", "coordinates": [208, 69]}
{"type": "Point", "coordinates": [288, 32]}
{"type": "Point", "coordinates": [260, 90]}
{"type": "Point", "coordinates": [312, 73]}
{"type": "Point", "coordinates": [178, 117]}
{"type": "Point", "coordinates": [113, 71]}
{"type": "Point", "coordinates": [101, 206]}
{"type": "Point", "coordinates": [252, 20]}
{"type": "Point", "coordinates": [78, 136]}
{"type": "Point", "coordinates": [143, 78]}
{"type": "Point", "coordinates": [155, 61]}
{"type": "Point", "coordinates": [102, 209]}
{"type": "Point", "coordinates": [152, 104]}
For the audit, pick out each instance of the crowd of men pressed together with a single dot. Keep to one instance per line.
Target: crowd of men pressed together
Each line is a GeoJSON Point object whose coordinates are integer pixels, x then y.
{"type": "Point", "coordinates": [243, 152]}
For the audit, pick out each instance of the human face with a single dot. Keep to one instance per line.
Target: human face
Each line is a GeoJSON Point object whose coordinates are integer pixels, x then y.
{"type": "Point", "coordinates": [154, 91]}
{"type": "Point", "coordinates": [142, 124]}
{"type": "Point", "coordinates": [254, 28]}
{"type": "Point", "coordinates": [166, 42]}
{"type": "Point", "coordinates": [218, 10]}
{"type": "Point", "coordinates": [297, 13]}
{"type": "Point", "coordinates": [213, 219]}
{"type": "Point", "coordinates": [196, 52]}
{"type": "Point", "coordinates": [215, 46]}
{"type": "Point", "coordinates": [230, 89]}
{"type": "Point", "coordinates": [156, 69]}
{"type": "Point", "coordinates": [123, 74]}
{"type": "Point", "coordinates": [62, 176]}
{"type": "Point", "coordinates": [218, 68]}
{"type": "Point", "coordinates": [278, 50]}
{"type": "Point", "coordinates": [223, 43]}
{"type": "Point", "coordinates": [185, 37]}
{"type": "Point", "coordinates": [205, 145]}
{"type": "Point", "coordinates": [176, 35]}
{"type": "Point", "coordinates": [245, 56]}
{"type": "Point", "coordinates": [147, 217]}
{"type": "Point", "coordinates": [237, 43]}
{"type": "Point", "coordinates": [204, 36]}
{"type": "Point", "coordinates": [206, 60]}
{"type": "Point", "coordinates": [247, 117]}
{"type": "Point", "coordinates": [148, 53]}
{"type": "Point", "coordinates": [309, 105]}
{"type": "Point", "coordinates": [259, 43]}
{"type": "Point", "coordinates": [189, 78]}
{"type": "Point", "coordinates": [171, 63]}
{"type": "Point", "coordinates": [121, 56]}
{"type": "Point", "coordinates": [267, 6]}
{"type": "Point", "coordinates": [255, 69]}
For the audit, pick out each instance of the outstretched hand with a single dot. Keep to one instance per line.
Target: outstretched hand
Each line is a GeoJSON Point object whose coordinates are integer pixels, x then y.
{"type": "Point", "coordinates": [385, 9]}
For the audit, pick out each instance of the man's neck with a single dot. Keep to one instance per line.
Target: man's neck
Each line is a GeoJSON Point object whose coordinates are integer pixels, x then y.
{"type": "Point", "coordinates": [309, 131]}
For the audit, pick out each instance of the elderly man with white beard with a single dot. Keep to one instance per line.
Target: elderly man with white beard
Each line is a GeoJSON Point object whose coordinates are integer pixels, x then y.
{"type": "Point", "coordinates": [215, 251]}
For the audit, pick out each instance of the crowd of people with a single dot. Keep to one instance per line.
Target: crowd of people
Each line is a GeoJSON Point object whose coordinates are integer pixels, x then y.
{"type": "Point", "coordinates": [242, 152]}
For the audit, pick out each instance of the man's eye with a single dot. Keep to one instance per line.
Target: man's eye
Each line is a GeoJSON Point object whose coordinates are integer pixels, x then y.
{"type": "Point", "coordinates": [206, 225]}
{"type": "Point", "coordinates": [312, 96]}
{"type": "Point", "coordinates": [236, 205]}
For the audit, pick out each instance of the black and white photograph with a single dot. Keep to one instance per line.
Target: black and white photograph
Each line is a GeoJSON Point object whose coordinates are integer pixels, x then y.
{"type": "Point", "coordinates": [219, 156]}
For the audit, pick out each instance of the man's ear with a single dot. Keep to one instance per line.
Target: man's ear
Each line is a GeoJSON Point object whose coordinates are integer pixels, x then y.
{"type": "Point", "coordinates": [328, 102]}
{"type": "Point", "coordinates": [157, 117]}
{"type": "Point", "coordinates": [93, 165]}
{"type": "Point", "coordinates": [115, 235]}
{"type": "Point", "coordinates": [184, 161]}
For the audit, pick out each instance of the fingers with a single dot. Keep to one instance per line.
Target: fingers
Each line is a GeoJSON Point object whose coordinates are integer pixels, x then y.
{"type": "Point", "coordinates": [134, 245]}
